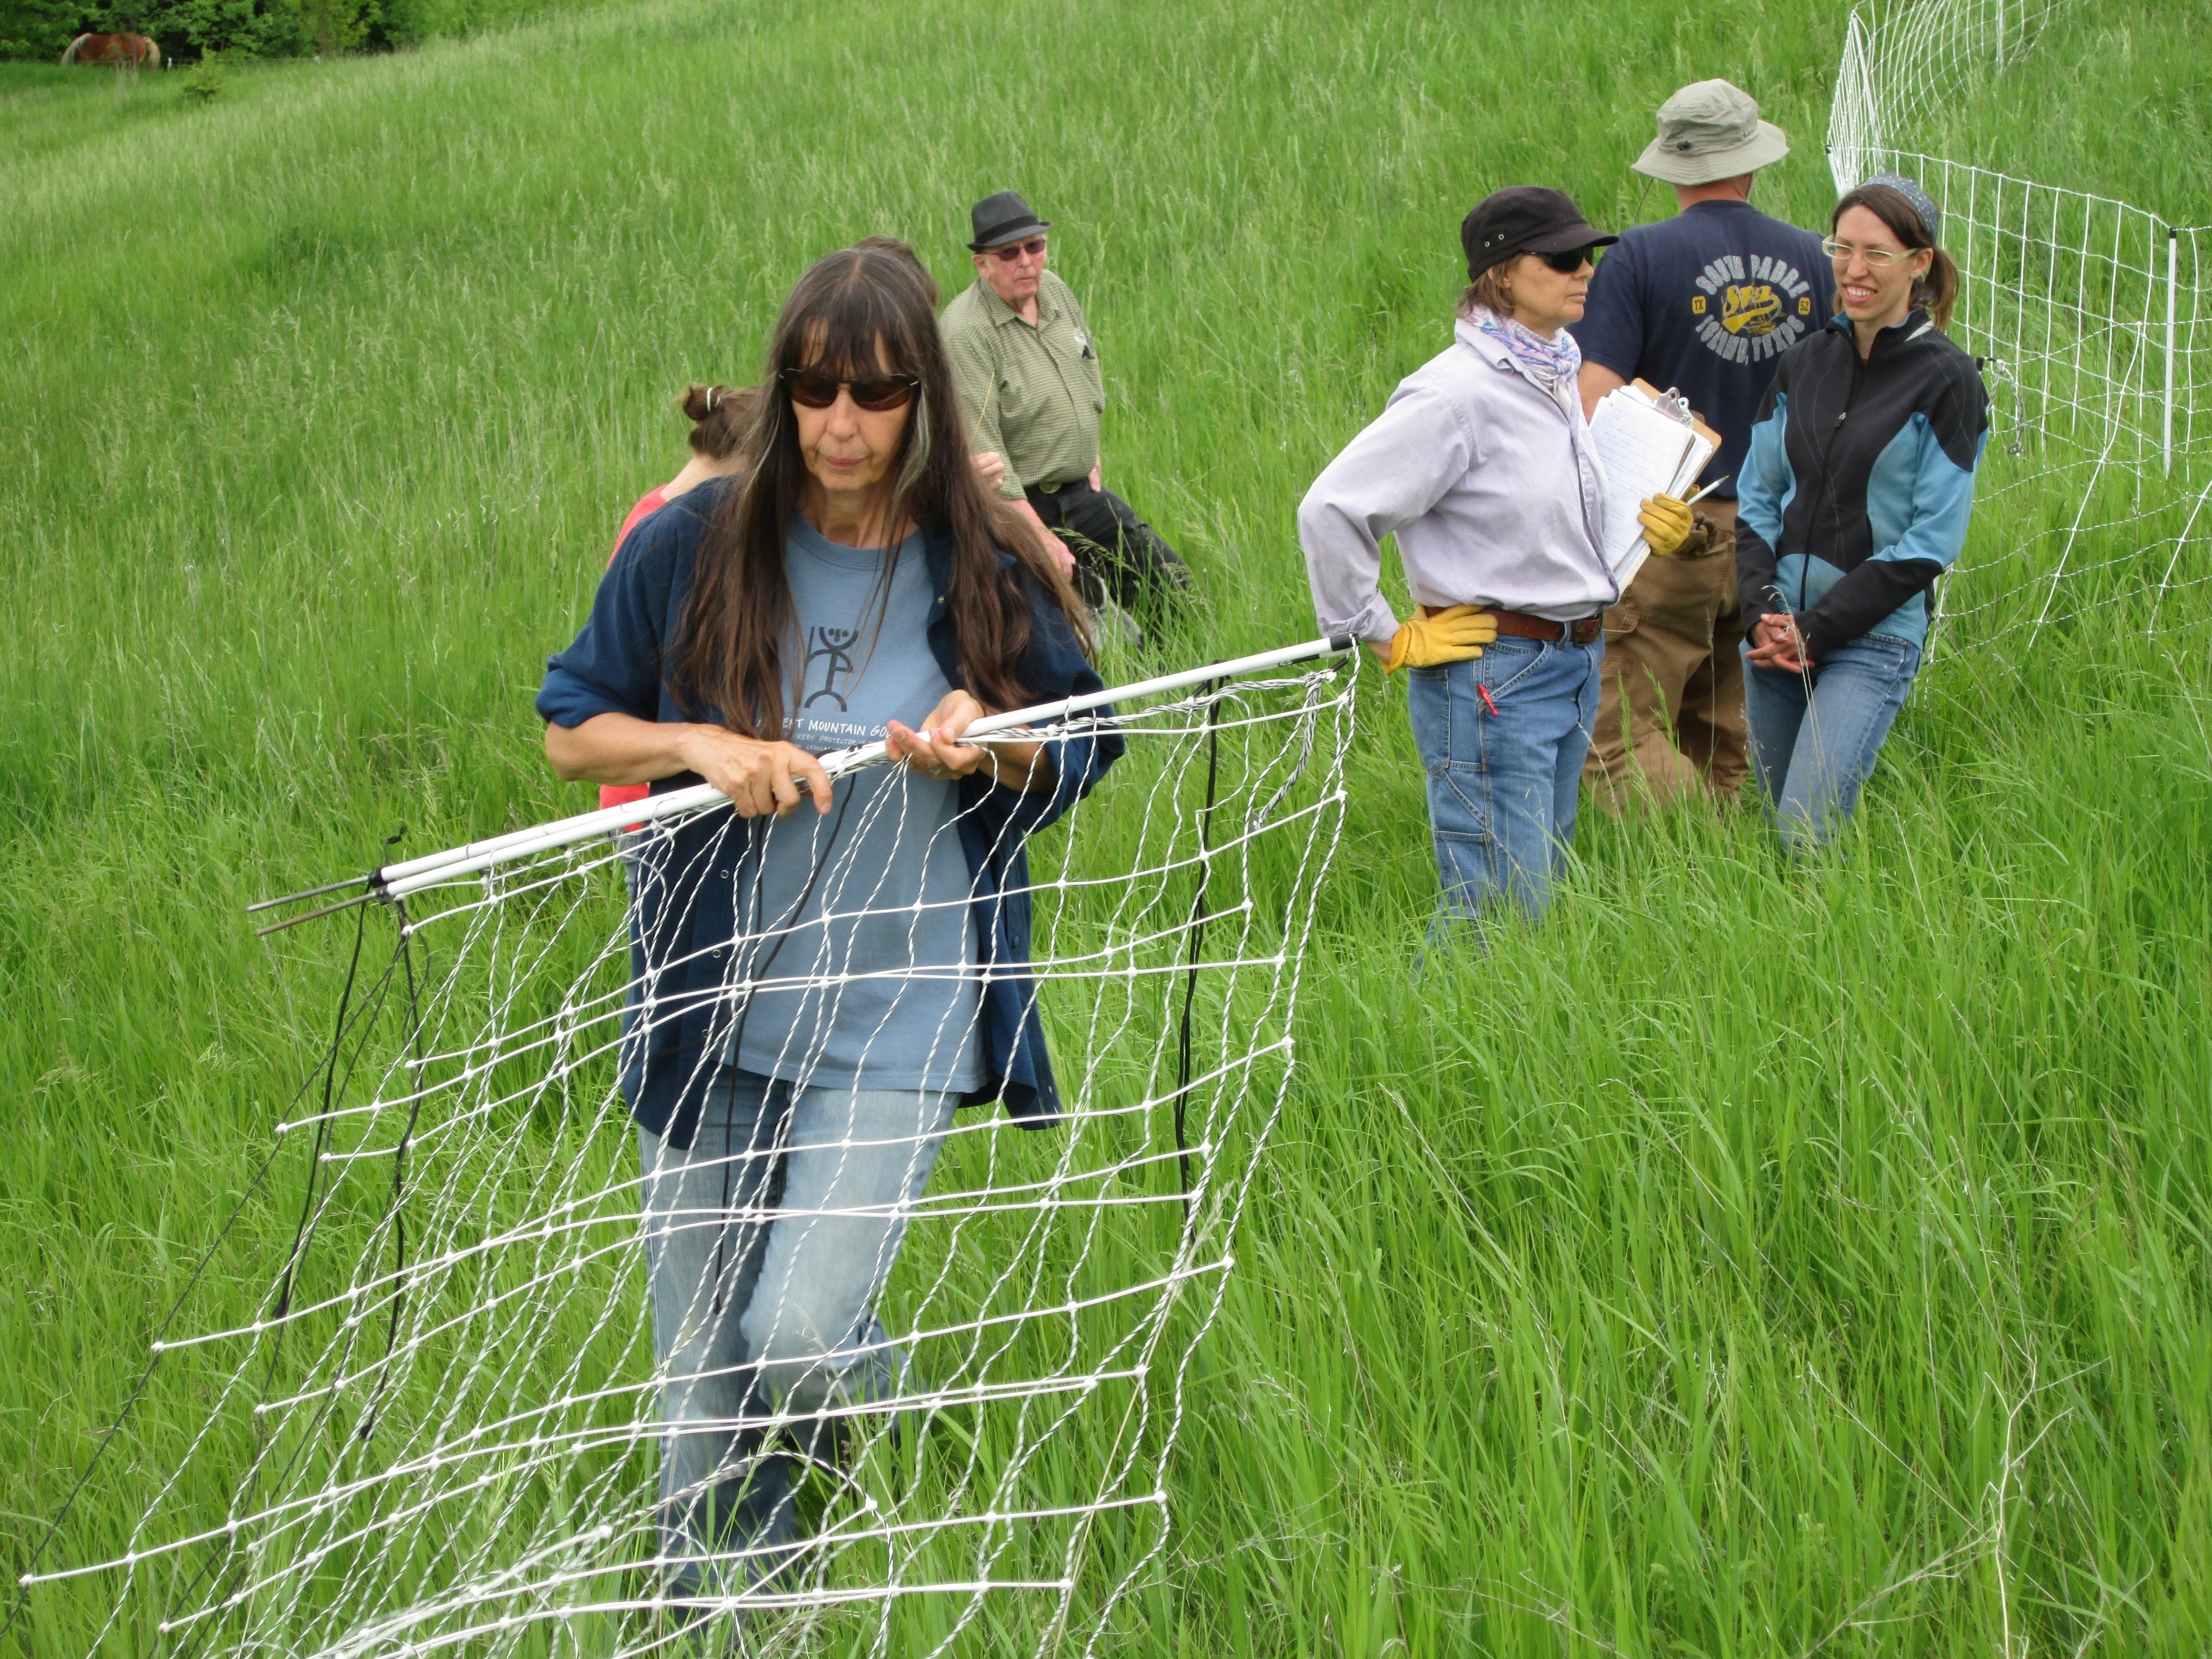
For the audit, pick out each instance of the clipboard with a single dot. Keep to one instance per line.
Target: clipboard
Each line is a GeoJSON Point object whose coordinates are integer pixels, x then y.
{"type": "Point", "coordinates": [1696, 425]}
{"type": "Point", "coordinates": [1648, 443]}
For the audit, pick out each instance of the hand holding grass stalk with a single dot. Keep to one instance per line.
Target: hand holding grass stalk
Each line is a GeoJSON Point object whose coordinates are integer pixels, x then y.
{"type": "Point", "coordinates": [1776, 643]}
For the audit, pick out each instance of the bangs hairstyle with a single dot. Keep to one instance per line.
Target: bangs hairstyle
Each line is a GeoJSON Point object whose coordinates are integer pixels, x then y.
{"type": "Point", "coordinates": [860, 311]}
{"type": "Point", "coordinates": [1938, 290]}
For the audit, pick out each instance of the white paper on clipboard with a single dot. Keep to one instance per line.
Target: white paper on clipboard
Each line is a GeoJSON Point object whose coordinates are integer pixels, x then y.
{"type": "Point", "coordinates": [1645, 451]}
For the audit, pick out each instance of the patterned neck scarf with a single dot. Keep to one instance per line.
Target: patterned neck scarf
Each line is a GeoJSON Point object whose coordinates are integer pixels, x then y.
{"type": "Point", "coordinates": [1553, 362]}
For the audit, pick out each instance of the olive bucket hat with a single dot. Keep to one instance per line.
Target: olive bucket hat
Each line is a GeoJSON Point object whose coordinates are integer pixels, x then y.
{"type": "Point", "coordinates": [1709, 131]}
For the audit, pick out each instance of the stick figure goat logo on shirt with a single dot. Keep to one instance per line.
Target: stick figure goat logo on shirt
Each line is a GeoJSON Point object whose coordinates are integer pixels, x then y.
{"type": "Point", "coordinates": [833, 647]}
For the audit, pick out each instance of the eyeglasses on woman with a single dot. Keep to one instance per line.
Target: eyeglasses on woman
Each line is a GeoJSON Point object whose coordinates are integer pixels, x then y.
{"type": "Point", "coordinates": [1877, 258]}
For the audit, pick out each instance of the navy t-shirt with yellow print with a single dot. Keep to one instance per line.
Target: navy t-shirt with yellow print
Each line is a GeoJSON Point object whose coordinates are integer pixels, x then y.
{"type": "Point", "coordinates": [1707, 301]}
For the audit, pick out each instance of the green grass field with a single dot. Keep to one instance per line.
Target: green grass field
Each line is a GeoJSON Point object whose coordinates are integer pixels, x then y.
{"type": "Point", "coordinates": [1757, 1259]}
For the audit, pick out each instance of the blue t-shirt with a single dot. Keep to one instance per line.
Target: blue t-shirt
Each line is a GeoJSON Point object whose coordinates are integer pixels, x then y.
{"type": "Point", "coordinates": [884, 995]}
{"type": "Point", "coordinates": [682, 931]}
{"type": "Point", "coordinates": [1706, 301]}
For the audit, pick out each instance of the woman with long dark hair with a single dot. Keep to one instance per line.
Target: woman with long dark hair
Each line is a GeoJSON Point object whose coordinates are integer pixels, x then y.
{"type": "Point", "coordinates": [1857, 493]}
{"type": "Point", "coordinates": [718, 416]}
{"type": "Point", "coordinates": [814, 993]}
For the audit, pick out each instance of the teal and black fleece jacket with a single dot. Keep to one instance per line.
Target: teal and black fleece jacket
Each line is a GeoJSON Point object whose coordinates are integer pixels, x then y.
{"type": "Point", "coordinates": [1859, 481]}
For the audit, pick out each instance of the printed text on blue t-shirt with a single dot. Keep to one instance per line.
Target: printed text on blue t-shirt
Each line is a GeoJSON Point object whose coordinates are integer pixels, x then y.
{"type": "Point", "coordinates": [1739, 313]}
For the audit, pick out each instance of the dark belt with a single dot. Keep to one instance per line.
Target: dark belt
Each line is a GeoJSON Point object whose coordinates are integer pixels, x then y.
{"type": "Point", "coordinates": [1519, 625]}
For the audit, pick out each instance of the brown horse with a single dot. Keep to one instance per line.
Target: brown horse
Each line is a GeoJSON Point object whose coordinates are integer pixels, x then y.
{"type": "Point", "coordinates": [131, 50]}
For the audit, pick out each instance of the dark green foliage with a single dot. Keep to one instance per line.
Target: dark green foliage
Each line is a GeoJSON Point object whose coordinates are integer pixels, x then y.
{"type": "Point", "coordinates": [241, 29]}
{"type": "Point", "coordinates": [205, 80]}
{"type": "Point", "coordinates": [38, 29]}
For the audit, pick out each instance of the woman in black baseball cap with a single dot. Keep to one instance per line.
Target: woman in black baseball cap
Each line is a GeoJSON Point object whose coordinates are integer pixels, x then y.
{"type": "Point", "coordinates": [1523, 219]}
{"type": "Point", "coordinates": [1481, 466]}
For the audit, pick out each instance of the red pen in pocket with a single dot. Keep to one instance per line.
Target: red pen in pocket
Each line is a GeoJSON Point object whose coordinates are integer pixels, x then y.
{"type": "Point", "coordinates": [1482, 691]}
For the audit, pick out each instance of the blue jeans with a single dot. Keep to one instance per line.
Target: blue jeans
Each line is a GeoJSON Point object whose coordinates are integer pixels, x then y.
{"type": "Point", "coordinates": [768, 1242]}
{"type": "Point", "coordinates": [1814, 736]}
{"type": "Point", "coordinates": [1501, 784]}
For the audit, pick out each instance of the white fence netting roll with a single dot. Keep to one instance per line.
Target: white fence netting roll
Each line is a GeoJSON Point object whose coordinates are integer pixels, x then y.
{"type": "Point", "coordinates": [441, 1422]}
{"type": "Point", "coordinates": [2089, 317]}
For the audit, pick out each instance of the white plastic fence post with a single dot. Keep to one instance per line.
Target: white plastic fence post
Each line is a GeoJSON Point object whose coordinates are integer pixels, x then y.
{"type": "Point", "coordinates": [2173, 280]}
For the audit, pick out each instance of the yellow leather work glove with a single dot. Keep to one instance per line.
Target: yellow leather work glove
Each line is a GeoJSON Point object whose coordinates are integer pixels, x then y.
{"type": "Point", "coordinates": [1667, 523]}
{"type": "Point", "coordinates": [1455, 634]}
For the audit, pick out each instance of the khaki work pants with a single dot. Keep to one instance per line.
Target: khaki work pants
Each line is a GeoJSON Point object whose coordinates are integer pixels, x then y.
{"type": "Point", "coordinates": [1670, 714]}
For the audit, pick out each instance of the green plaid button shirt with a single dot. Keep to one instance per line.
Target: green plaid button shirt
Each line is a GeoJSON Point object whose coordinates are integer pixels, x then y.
{"type": "Point", "coordinates": [1033, 394]}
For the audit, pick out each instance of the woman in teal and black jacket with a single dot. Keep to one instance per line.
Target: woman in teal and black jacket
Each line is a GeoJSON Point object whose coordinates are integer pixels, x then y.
{"type": "Point", "coordinates": [1856, 493]}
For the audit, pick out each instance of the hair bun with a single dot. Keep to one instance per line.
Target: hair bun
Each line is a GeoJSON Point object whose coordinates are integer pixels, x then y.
{"type": "Point", "coordinates": [718, 415]}
{"type": "Point", "coordinates": [701, 401]}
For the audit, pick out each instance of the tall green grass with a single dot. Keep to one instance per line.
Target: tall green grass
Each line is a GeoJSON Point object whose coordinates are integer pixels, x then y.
{"type": "Point", "coordinates": [2108, 99]}
{"type": "Point", "coordinates": [1756, 1259]}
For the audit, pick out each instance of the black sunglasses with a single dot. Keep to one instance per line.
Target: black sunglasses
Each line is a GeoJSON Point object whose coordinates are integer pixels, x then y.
{"type": "Point", "coordinates": [817, 389]}
{"type": "Point", "coordinates": [1569, 262]}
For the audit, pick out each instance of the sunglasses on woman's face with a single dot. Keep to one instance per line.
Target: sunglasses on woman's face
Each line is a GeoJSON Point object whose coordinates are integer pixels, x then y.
{"type": "Point", "coordinates": [818, 390]}
{"type": "Point", "coordinates": [1013, 251]}
{"type": "Point", "coordinates": [1569, 263]}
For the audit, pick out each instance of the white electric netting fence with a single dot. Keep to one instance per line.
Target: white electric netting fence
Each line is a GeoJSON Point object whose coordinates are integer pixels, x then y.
{"type": "Point", "coordinates": [2089, 318]}
{"type": "Point", "coordinates": [434, 1426]}
{"type": "Point", "coordinates": [1907, 58]}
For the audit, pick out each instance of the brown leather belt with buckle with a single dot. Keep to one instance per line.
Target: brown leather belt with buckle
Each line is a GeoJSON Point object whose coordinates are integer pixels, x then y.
{"type": "Point", "coordinates": [1519, 625]}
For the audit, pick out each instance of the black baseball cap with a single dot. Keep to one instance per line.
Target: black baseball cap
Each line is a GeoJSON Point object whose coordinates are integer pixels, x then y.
{"type": "Point", "coordinates": [1525, 219]}
{"type": "Point", "coordinates": [1004, 217]}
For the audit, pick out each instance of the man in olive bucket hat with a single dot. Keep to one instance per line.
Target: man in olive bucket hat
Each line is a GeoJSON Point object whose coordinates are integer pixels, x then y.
{"type": "Point", "coordinates": [1704, 302]}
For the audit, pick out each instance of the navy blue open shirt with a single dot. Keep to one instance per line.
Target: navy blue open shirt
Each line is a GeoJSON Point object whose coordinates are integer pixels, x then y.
{"type": "Point", "coordinates": [683, 928]}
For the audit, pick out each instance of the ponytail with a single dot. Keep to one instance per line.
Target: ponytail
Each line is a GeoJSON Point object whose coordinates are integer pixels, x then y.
{"type": "Point", "coordinates": [1938, 291]}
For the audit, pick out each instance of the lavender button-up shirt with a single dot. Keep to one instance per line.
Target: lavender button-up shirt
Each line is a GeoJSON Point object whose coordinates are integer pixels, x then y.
{"type": "Point", "coordinates": [1489, 480]}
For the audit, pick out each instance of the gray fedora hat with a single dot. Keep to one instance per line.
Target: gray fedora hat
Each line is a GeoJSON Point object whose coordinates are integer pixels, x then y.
{"type": "Point", "coordinates": [1707, 131]}
{"type": "Point", "coordinates": [1004, 217]}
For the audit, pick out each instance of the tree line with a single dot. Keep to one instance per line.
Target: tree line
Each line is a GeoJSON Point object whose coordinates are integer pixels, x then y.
{"type": "Point", "coordinates": [37, 30]}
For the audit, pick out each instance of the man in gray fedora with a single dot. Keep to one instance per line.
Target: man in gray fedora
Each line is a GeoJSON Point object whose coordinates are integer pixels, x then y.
{"type": "Point", "coordinates": [1026, 367]}
{"type": "Point", "coordinates": [1704, 302]}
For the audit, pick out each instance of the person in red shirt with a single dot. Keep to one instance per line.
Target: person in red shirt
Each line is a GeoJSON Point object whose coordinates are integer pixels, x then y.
{"type": "Point", "coordinates": [717, 414]}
